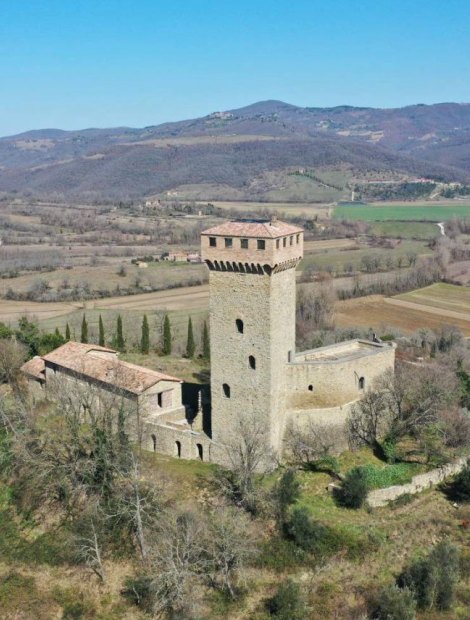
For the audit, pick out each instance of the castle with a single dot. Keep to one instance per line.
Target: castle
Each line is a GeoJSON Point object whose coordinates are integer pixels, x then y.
{"type": "Point", "coordinates": [257, 377]}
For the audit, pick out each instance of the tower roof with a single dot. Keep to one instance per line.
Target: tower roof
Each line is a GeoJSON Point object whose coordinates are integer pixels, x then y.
{"type": "Point", "coordinates": [266, 229]}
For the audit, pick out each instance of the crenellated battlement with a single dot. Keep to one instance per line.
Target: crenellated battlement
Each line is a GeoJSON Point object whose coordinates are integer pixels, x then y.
{"type": "Point", "coordinates": [251, 246]}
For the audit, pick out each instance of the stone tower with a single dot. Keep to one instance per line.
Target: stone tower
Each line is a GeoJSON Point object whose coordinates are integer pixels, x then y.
{"type": "Point", "coordinates": [252, 322]}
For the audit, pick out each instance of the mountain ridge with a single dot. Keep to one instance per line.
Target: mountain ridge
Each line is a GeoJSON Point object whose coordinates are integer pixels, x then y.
{"type": "Point", "coordinates": [272, 136]}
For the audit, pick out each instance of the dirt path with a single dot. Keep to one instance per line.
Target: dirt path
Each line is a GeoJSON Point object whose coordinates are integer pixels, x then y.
{"type": "Point", "coordinates": [451, 314]}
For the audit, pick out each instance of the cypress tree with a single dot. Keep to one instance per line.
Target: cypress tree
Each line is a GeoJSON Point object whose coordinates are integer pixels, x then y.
{"type": "Point", "coordinates": [84, 334]}
{"type": "Point", "coordinates": [206, 347]}
{"type": "Point", "coordinates": [145, 340]}
{"type": "Point", "coordinates": [67, 332]}
{"type": "Point", "coordinates": [57, 332]}
{"type": "Point", "coordinates": [166, 348]}
{"type": "Point", "coordinates": [101, 332]}
{"type": "Point", "coordinates": [120, 345]}
{"type": "Point", "coordinates": [190, 345]}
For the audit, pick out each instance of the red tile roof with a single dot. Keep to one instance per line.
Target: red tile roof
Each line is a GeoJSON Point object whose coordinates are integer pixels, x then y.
{"type": "Point", "coordinates": [88, 360]}
{"type": "Point", "coordinates": [34, 368]}
{"type": "Point", "coordinates": [269, 229]}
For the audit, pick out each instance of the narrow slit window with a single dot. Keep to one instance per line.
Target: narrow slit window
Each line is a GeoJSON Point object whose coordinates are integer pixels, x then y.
{"type": "Point", "coordinates": [362, 383]}
{"type": "Point", "coordinates": [284, 242]}
{"type": "Point", "coordinates": [310, 388]}
{"type": "Point", "coordinates": [291, 240]}
{"type": "Point", "coordinates": [252, 362]}
{"type": "Point", "coordinates": [278, 243]}
{"type": "Point", "coordinates": [239, 324]}
{"type": "Point", "coordinates": [160, 399]}
{"type": "Point", "coordinates": [226, 390]}
{"type": "Point", "coordinates": [298, 239]}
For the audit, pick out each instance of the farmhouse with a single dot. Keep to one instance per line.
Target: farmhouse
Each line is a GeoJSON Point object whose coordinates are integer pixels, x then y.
{"type": "Point", "coordinates": [146, 392]}
{"type": "Point", "coordinates": [257, 377]}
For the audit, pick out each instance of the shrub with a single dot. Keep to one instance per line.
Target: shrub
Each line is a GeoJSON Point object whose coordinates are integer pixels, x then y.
{"type": "Point", "coordinates": [381, 477]}
{"type": "Point", "coordinates": [393, 603]}
{"type": "Point", "coordinates": [288, 603]}
{"type": "Point", "coordinates": [353, 491]}
{"type": "Point", "coordinates": [285, 493]}
{"type": "Point", "coordinates": [433, 579]}
{"type": "Point", "coordinates": [138, 590]}
{"type": "Point", "coordinates": [279, 555]}
{"type": "Point", "coordinates": [306, 533]}
{"type": "Point", "coordinates": [328, 464]}
{"type": "Point", "coordinates": [322, 540]}
{"type": "Point", "coordinates": [459, 488]}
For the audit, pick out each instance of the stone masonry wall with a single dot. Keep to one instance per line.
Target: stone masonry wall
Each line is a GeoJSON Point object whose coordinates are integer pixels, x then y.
{"type": "Point", "coordinates": [335, 382]}
{"type": "Point", "coordinates": [381, 497]}
{"type": "Point", "coordinates": [266, 305]}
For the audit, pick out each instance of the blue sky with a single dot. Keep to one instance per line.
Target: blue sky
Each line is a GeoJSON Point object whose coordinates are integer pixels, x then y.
{"type": "Point", "coordinates": [99, 63]}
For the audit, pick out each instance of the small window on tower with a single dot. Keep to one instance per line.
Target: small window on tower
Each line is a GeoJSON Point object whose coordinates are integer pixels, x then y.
{"type": "Point", "coordinates": [244, 244]}
{"type": "Point", "coordinates": [252, 362]}
{"type": "Point", "coordinates": [212, 242]}
{"type": "Point", "coordinates": [284, 242]}
{"type": "Point", "coordinates": [226, 390]}
{"type": "Point", "coordinates": [278, 243]}
{"type": "Point", "coordinates": [228, 242]}
{"type": "Point", "coordinates": [362, 383]}
{"type": "Point", "coordinates": [261, 244]}
{"type": "Point", "coordinates": [239, 324]}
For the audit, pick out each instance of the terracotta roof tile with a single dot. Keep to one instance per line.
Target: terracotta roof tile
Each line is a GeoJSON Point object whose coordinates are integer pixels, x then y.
{"type": "Point", "coordinates": [34, 368]}
{"type": "Point", "coordinates": [268, 229]}
{"type": "Point", "coordinates": [89, 360]}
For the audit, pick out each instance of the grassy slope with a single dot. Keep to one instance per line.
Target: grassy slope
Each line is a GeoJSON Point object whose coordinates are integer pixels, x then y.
{"type": "Point", "coordinates": [36, 578]}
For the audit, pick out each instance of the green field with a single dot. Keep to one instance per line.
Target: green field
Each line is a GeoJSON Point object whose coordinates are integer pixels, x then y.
{"type": "Point", "coordinates": [339, 259]}
{"type": "Point", "coordinates": [405, 230]}
{"type": "Point", "coordinates": [403, 212]}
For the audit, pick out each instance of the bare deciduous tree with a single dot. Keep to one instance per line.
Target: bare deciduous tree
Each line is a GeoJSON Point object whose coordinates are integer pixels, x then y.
{"type": "Point", "coordinates": [403, 402]}
{"type": "Point", "coordinates": [12, 356]}
{"type": "Point", "coordinates": [249, 454]}
{"type": "Point", "coordinates": [311, 442]}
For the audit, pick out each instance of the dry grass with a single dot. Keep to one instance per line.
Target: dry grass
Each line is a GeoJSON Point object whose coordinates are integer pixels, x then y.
{"type": "Point", "coordinates": [378, 312]}
{"type": "Point", "coordinates": [445, 297]}
{"type": "Point", "coordinates": [291, 208]}
{"type": "Point", "coordinates": [329, 244]}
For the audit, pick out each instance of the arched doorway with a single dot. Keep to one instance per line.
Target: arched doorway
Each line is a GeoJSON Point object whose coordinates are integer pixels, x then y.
{"type": "Point", "coordinates": [178, 448]}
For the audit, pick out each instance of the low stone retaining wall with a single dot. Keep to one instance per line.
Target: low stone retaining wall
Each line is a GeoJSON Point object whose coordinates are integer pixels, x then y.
{"type": "Point", "coordinates": [381, 497]}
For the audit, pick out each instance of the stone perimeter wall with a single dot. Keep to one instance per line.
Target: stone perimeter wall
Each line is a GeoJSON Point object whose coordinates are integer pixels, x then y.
{"type": "Point", "coordinates": [320, 384]}
{"type": "Point", "coordinates": [381, 497]}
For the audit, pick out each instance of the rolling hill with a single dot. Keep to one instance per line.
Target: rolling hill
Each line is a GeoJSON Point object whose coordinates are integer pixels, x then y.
{"type": "Point", "coordinates": [252, 153]}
